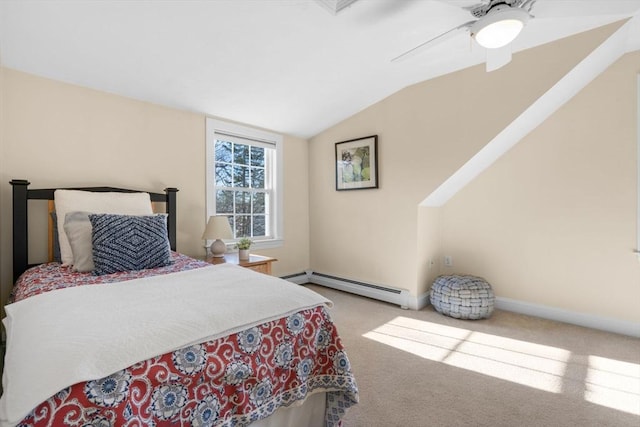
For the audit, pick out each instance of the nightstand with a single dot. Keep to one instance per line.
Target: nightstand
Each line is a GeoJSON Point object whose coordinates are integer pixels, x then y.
{"type": "Point", "coordinates": [257, 263]}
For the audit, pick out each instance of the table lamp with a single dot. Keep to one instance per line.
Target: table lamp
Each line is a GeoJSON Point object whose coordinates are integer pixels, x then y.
{"type": "Point", "coordinates": [217, 228]}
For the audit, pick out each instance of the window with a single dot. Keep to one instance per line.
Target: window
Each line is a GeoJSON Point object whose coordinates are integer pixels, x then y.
{"type": "Point", "coordinates": [244, 180]}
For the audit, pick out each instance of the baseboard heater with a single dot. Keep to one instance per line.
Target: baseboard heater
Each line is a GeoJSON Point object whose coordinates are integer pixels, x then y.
{"type": "Point", "coordinates": [297, 278]}
{"type": "Point", "coordinates": [382, 293]}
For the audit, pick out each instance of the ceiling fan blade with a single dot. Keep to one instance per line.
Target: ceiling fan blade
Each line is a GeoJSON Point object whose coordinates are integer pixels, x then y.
{"type": "Point", "coordinates": [432, 42]}
{"type": "Point", "coordinates": [576, 8]}
{"type": "Point", "coordinates": [498, 58]}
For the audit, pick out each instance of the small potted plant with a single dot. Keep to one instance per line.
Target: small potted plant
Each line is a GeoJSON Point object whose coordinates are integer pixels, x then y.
{"type": "Point", "coordinates": [243, 246]}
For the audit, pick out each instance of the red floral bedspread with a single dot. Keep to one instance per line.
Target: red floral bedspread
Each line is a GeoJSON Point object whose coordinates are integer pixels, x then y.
{"type": "Point", "coordinates": [51, 276]}
{"type": "Point", "coordinates": [231, 381]}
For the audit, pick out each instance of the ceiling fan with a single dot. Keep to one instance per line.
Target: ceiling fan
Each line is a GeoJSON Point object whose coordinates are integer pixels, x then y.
{"type": "Point", "coordinates": [497, 24]}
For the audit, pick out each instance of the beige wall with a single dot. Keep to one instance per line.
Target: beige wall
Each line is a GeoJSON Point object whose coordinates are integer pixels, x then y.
{"type": "Point", "coordinates": [56, 134]}
{"type": "Point", "coordinates": [553, 222]}
{"type": "Point", "coordinates": [426, 132]}
{"type": "Point", "coordinates": [293, 257]}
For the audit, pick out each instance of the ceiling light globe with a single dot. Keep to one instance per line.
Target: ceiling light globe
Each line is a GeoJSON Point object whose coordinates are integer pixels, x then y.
{"type": "Point", "coordinates": [499, 34]}
{"type": "Point", "coordinates": [499, 27]}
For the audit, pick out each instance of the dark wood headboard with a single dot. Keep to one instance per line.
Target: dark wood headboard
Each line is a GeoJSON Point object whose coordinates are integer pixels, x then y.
{"type": "Point", "coordinates": [21, 195]}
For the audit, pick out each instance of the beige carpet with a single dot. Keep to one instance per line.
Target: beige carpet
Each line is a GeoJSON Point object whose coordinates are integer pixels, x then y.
{"type": "Point", "coordinates": [419, 368]}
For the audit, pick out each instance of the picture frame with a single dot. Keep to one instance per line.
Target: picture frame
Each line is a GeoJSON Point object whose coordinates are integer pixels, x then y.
{"type": "Point", "coordinates": [357, 163]}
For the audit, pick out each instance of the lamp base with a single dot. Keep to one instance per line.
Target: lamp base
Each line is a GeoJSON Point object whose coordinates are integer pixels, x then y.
{"type": "Point", "coordinates": [218, 249]}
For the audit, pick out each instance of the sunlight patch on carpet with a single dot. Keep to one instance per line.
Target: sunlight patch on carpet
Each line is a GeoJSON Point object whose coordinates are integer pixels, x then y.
{"type": "Point", "coordinates": [614, 384]}
{"type": "Point", "coordinates": [533, 365]}
{"type": "Point", "coordinates": [606, 382]}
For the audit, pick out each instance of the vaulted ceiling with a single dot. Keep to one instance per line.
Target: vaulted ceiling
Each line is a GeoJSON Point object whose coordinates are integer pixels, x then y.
{"type": "Point", "coordinates": [285, 65]}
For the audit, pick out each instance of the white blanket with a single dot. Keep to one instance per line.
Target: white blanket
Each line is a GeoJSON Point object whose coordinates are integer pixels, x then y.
{"type": "Point", "coordinates": [72, 335]}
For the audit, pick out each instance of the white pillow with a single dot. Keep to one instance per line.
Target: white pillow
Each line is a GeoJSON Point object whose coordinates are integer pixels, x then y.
{"type": "Point", "coordinates": [78, 228]}
{"type": "Point", "coordinates": [94, 202]}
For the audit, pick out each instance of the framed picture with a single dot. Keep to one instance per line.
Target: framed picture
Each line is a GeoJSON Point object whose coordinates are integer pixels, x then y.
{"type": "Point", "coordinates": [357, 163]}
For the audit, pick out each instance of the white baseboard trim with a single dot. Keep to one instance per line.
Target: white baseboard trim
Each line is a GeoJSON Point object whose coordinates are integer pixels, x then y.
{"type": "Point", "coordinates": [422, 300]}
{"type": "Point", "coordinates": [581, 319]}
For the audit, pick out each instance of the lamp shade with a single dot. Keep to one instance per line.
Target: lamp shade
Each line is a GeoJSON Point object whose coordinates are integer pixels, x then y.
{"type": "Point", "coordinates": [217, 228]}
{"type": "Point", "coordinates": [499, 27]}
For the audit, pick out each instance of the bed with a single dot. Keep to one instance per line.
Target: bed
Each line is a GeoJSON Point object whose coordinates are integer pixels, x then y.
{"type": "Point", "coordinates": [154, 337]}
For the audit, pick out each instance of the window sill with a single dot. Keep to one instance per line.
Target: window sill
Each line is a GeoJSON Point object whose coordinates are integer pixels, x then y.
{"type": "Point", "coordinates": [260, 244]}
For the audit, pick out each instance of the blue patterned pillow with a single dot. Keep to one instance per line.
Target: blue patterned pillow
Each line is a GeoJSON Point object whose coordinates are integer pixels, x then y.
{"type": "Point", "coordinates": [128, 242]}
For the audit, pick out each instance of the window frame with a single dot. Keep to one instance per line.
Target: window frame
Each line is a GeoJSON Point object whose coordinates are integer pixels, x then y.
{"type": "Point", "coordinates": [273, 175]}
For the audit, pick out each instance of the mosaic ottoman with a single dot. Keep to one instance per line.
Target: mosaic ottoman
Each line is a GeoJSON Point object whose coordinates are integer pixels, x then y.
{"type": "Point", "coordinates": [462, 297]}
